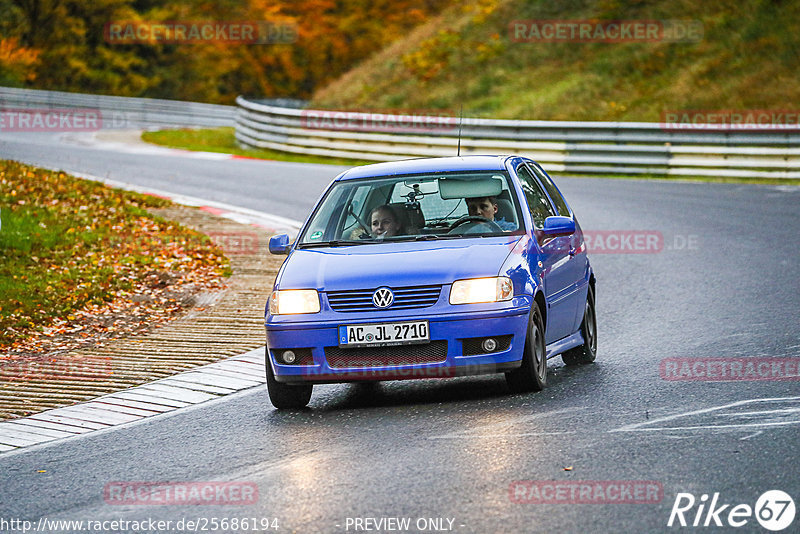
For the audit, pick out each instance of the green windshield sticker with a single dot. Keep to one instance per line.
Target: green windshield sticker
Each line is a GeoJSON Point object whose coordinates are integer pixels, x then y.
{"type": "Point", "coordinates": [316, 235]}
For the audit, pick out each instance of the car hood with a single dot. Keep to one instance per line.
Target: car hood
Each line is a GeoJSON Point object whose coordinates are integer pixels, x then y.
{"type": "Point", "coordinates": [394, 264]}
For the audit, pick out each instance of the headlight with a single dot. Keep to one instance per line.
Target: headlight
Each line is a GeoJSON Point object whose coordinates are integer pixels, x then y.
{"type": "Point", "coordinates": [290, 301]}
{"type": "Point", "coordinates": [476, 290]}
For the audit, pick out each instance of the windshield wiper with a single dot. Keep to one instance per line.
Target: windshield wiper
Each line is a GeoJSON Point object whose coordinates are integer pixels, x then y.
{"type": "Point", "coordinates": [425, 237]}
{"type": "Point", "coordinates": [336, 243]}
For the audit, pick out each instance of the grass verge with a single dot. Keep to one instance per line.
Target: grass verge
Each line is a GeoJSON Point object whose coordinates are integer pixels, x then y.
{"type": "Point", "coordinates": [223, 140]}
{"type": "Point", "coordinates": [72, 247]}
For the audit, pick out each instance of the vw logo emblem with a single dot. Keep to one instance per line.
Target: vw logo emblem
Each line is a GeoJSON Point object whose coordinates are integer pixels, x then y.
{"type": "Point", "coordinates": [383, 297]}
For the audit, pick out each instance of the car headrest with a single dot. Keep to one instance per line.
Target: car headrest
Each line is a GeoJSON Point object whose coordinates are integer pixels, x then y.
{"type": "Point", "coordinates": [505, 210]}
{"type": "Point", "coordinates": [411, 219]}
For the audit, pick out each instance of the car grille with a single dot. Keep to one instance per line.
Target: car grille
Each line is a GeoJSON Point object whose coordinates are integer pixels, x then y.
{"type": "Point", "coordinates": [433, 352]}
{"type": "Point", "coordinates": [404, 298]}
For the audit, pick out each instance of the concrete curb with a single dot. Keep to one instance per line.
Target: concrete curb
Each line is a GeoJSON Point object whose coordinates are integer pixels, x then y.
{"type": "Point", "coordinates": [196, 386]}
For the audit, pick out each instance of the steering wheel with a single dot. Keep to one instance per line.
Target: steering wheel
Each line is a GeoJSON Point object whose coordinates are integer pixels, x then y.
{"type": "Point", "coordinates": [474, 219]}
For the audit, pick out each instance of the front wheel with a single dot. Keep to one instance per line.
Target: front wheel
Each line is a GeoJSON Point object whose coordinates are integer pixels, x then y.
{"type": "Point", "coordinates": [587, 352]}
{"type": "Point", "coordinates": [532, 375]}
{"type": "Point", "coordinates": [285, 396]}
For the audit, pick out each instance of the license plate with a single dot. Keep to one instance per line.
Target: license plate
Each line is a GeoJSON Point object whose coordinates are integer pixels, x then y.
{"type": "Point", "coordinates": [384, 334]}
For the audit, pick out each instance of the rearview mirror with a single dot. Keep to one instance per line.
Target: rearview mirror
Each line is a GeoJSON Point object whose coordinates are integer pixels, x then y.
{"type": "Point", "coordinates": [279, 244]}
{"type": "Point", "coordinates": [558, 225]}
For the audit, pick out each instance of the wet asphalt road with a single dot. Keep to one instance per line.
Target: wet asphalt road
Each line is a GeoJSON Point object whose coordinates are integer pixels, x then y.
{"type": "Point", "coordinates": [725, 285]}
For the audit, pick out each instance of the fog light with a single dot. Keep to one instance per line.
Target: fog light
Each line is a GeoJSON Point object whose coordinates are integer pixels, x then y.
{"type": "Point", "coordinates": [489, 344]}
{"type": "Point", "coordinates": [289, 356]}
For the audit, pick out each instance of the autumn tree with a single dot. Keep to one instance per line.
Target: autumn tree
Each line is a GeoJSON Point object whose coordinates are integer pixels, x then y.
{"type": "Point", "coordinates": [60, 44]}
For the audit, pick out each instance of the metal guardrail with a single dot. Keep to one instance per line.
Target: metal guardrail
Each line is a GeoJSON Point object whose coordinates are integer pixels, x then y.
{"type": "Point", "coordinates": [122, 112]}
{"type": "Point", "coordinates": [628, 148]}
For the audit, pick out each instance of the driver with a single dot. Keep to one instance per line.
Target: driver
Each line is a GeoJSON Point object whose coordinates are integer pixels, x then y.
{"type": "Point", "coordinates": [486, 207]}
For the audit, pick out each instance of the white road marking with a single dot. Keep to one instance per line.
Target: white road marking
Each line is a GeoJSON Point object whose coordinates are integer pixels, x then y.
{"type": "Point", "coordinates": [787, 417]}
{"type": "Point", "coordinates": [751, 435]}
{"type": "Point", "coordinates": [237, 213]}
{"type": "Point", "coordinates": [90, 139]}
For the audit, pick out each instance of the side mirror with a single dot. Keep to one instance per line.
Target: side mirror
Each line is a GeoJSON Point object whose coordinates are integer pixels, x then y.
{"type": "Point", "coordinates": [558, 225]}
{"type": "Point", "coordinates": [279, 244]}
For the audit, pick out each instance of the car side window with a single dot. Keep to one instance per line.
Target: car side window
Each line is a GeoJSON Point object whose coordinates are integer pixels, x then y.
{"type": "Point", "coordinates": [555, 196]}
{"type": "Point", "coordinates": [356, 207]}
{"type": "Point", "coordinates": [538, 204]}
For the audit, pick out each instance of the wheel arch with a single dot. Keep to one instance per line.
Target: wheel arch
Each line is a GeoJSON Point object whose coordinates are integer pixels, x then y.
{"type": "Point", "coordinates": [540, 300]}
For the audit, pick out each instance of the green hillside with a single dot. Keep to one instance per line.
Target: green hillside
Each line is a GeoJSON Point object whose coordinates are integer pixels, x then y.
{"type": "Point", "coordinates": [748, 58]}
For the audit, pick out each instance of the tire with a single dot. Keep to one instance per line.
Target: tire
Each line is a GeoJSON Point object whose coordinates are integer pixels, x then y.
{"type": "Point", "coordinates": [532, 375]}
{"type": "Point", "coordinates": [285, 396]}
{"type": "Point", "coordinates": [587, 352]}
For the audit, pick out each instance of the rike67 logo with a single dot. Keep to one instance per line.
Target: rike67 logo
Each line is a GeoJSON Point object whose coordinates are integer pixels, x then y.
{"type": "Point", "coordinates": [774, 510]}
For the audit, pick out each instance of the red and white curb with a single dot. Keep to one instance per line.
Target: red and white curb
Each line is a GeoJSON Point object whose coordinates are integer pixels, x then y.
{"type": "Point", "coordinates": [267, 221]}
{"type": "Point", "coordinates": [189, 388]}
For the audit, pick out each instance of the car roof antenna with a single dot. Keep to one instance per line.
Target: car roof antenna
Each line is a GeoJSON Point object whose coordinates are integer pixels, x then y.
{"type": "Point", "coordinates": [460, 118]}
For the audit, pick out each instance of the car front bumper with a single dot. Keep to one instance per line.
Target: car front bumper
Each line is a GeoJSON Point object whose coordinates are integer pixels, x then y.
{"type": "Point", "coordinates": [452, 351]}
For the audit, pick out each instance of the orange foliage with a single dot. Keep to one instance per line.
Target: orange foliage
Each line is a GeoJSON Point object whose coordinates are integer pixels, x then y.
{"type": "Point", "coordinates": [17, 60]}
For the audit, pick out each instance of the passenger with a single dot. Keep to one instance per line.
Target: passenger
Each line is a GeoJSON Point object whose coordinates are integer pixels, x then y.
{"type": "Point", "coordinates": [384, 222]}
{"type": "Point", "coordinates": [486, 207]}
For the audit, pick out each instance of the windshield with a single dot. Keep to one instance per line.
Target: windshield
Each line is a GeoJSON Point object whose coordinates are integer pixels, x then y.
{"type": "Point", "coordinates": [418, 207]}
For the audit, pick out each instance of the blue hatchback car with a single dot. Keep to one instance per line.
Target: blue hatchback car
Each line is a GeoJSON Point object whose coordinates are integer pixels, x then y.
{"type": "Point", "coordinates": [431, 268]}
